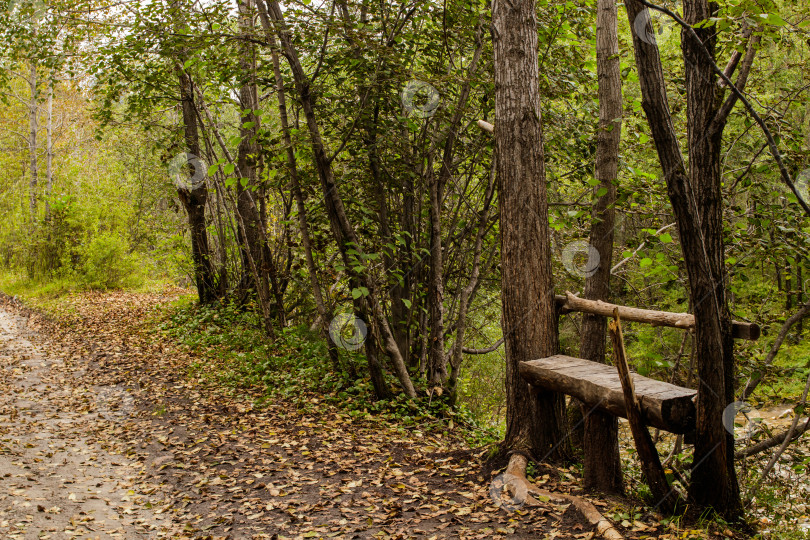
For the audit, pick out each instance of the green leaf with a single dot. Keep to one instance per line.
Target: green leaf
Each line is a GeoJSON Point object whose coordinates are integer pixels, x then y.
{"type": "Point", "coordinates": [229, 168]}
{"type": "Point", "coordinates": [645, 262]}
{"type": "Point", "coordinates": [601, 192]}
{"type": "Point", "coordinates": [356, 293]}
{"type": "Point", "coordinates": [775, 19]}
{"type": "Point", "coordinates": [665, 238]}
{"type": "Point", "coordinates": [407, 303]}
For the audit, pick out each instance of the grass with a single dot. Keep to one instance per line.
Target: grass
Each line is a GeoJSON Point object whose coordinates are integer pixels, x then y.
{"type": "Point", "coordinates": [43, 290]}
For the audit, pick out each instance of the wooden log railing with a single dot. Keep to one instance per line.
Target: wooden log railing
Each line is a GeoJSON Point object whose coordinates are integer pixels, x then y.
{"type": "Point", "coordinates": [571, 302]}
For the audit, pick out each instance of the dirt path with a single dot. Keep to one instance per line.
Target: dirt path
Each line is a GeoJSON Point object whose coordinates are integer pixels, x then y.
{"type": "Point", "coordinates": [103, 435]}
{"type": "Point", "coordinates": [55, 480]}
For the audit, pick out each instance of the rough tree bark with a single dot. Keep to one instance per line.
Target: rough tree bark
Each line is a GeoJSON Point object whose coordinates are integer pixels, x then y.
{"type": "Point", "coordinates": [714, 482]}
{"type": "Point", "coordinates": [696, 202]}
{"type": "Point", "coordinates": [603, 469]}
{"type": "Point", "coordinates": [533, 418]}
{"type": "Point", "coordinates": [195, 194]}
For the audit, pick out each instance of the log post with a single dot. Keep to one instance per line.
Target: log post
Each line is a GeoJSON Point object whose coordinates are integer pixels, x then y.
{"type": "Point", "coordinates": [647, 453]}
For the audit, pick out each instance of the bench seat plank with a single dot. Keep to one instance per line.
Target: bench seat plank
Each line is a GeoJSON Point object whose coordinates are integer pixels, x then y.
{"type": "Point", "coordinates": [663, 405]}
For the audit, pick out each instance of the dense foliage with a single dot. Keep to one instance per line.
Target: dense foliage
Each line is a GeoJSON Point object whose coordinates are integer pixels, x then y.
{"type": "Point", "coordinates": [392, 214]}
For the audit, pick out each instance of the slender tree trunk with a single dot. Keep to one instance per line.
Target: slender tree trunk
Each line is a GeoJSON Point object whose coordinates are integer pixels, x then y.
{"type": "Point", "coordinates": [437, 359]}
{"type": "Point", "coordinates": [257, 265]}
{"type": "Point", "coordinates": [534, 419]}
{"type": "Point", "coordinates": [800, 296]}
{"type": "Point", "coordinates": [403, 332]}
{"type": "Point", "coordinates": [341, 227]}
{"type": "Point", "coordinates": [49, 154]}
{"type": "Point", "coordinates": [603, 470]}
{"type": "Point", "coordinates": [437, 363]}
{"type": "Point", "coordinates": [469, 290]}
{"type": "Point", "coordinates": [33, 125]}
{"type": "Point", "coordinates": [194, 195]}
{"type": "Point", "coordinates": [324, 311]}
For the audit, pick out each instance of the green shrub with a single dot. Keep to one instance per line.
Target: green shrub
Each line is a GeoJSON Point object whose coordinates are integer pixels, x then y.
{"type": "Point", "coordinates": [108, 263]}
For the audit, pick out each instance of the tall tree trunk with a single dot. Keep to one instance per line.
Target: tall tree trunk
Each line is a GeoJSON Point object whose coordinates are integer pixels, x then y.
{"type": "Point", "coordinates": [713, 482]}
{"type": "Point", "coordinates": [533, 418]}
{"type": "Point", "coordinates": [49, 153]}
{"type": "Point", "coordinates": [437, 359]}
{"type": "Point", "coordinates": [33, 124]}
{"type": "Point", "coordinates": [194, 197]}
{"type": "Point", "coordinates": [256, 262]}
{"type": "Point", "coordinates": [603, 470]}
{"type": "Point", "coordinates": [695, 199]}
{"type": "Point", "coordinates": [324, 311]}
{"type": "Point", "coordinates": [194, 194]}
{"type": "Point", "coordinates": [437, 363]}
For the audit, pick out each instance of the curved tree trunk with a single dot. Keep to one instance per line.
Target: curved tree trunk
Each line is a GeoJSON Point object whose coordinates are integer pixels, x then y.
{"type": "Point", "coordinates": [324, 311]}
{"type": "Point", "coordinates": [695, 199]}
{"type": "Point", "coordinates": [342, 228]}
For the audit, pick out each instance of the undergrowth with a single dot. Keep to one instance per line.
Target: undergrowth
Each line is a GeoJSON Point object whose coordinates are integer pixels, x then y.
{"type": "Point", "coordinates": [237, 354]}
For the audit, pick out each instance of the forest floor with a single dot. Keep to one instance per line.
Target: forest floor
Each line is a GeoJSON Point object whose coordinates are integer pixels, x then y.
{"type": "Point", "coordinates": [103, 434]}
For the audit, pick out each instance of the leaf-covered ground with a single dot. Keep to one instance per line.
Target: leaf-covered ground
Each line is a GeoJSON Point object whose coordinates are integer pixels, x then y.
{"type": "Point", "coordinates": [103, 434]}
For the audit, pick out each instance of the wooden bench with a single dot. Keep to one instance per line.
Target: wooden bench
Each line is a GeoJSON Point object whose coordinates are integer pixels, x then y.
{"type": "Point", "coordinates": [663, 405]}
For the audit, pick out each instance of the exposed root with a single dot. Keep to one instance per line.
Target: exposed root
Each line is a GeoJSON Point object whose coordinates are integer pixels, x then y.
{"type": "Point", "coordinates": [516, 470]}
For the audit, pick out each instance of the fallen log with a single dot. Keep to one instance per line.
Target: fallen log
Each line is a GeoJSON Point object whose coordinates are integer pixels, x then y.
{"type": "Point", "coordinates": [740, 330]}
{"type": "Point", "coordinates": [776, 440]}
{"type": "Point", "coordinates": [663, 405]}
